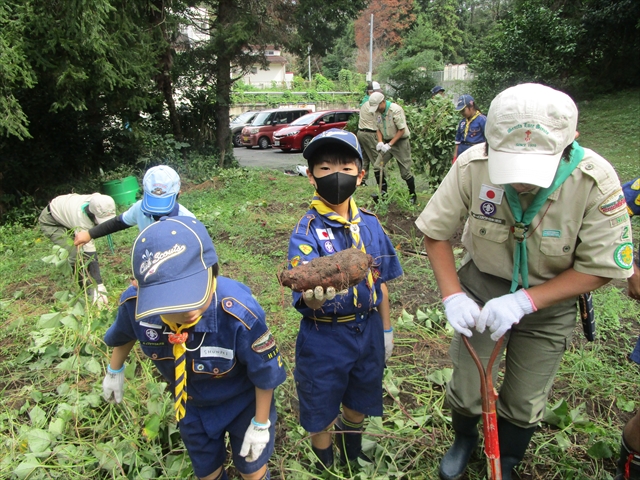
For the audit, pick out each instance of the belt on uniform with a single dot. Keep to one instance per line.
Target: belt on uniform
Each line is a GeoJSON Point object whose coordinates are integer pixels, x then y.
{"type": "Point", "coordinates": [343, 318]}
{"type": "Point", "coordinates": [367, 130]}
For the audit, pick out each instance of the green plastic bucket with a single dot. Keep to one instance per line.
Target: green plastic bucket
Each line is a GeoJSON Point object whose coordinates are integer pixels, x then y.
{"type": "Point", "coordinates": [123, 191]}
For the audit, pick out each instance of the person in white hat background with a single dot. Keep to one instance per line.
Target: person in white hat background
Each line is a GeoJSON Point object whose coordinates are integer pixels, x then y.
{"type": "Point", "coordinates": [367, 131]}
{"type": "Point", "coordinates": [161, 189]}
{"type": "Point", "coordinates": [547, 221]}
{"type": "Point", "coordinates": [68, 213]}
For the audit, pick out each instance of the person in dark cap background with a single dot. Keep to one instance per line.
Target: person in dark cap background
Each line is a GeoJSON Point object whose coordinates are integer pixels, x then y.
{"type": "Point", "coordinates": [437, 90]}
{"type": "Point", "coordinates": [471, 128]}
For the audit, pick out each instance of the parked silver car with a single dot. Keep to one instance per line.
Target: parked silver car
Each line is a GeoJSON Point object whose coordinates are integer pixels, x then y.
{"type": "Point", "coordinates": [238, 123]}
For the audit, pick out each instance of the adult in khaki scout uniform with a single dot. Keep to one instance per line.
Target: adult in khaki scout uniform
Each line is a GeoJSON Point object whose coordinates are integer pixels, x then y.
{"type": "Point", "coordinates": [393, 141]}
{"type": "Point", "coordinates": [535, 195]}
{"type": "Point", "coordinates": [367, 131]}
{"type": "Point", "coordinates": [66, 214]}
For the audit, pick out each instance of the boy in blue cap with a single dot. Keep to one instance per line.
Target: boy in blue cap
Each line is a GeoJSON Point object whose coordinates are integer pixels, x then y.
{"type": "Point", "coordinates": [208, 338]}
{"type": "Point", "coordinates": [161, 189]}
{"type": "Point", "coordinates": [344, 340]}
{"type": "Point", "coordinates": [471, 128]}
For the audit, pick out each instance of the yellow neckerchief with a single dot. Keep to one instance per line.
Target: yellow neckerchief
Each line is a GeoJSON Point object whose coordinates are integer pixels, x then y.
{"type": "Point", "coordinates": [466, 127]}
{"type": "Point", "coordinates": [178, 339]}
{"type": "Point", "coordinates": [354, 229]}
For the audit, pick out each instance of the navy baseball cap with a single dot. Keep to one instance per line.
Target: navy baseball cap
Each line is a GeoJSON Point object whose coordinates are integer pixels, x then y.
{"type": "Point", "coordinates": [161, 186]}
{"type": "Point", "coordinates": [464, 101]}
{"type": "Point", "coordinates": [436, 89]}
{"type": "Point", "coordinates": [333, 136]}
{"type": "Point", "coordinates": [171, 261]}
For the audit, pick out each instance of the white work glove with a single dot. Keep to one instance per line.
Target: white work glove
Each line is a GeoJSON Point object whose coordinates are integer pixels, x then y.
{"type": "Point", "coordinates": [113, 383]}
{"type": "Point", "coordinates": [462, 312]}
{"type": "Point", "coordinates": [379, 146]}
{"type": "Point", "coordinates": [320, 294]}
{"type": "Point", "coordinates": [255, 440]}
{"type": "Point", "coordinates": [99, 296]}
{"type": "Point", "coordinates": [388, 344]}
{"type": "Point", "coordinates": [501, 313]}
{"type": "Point", "coordinates": [385, 148]}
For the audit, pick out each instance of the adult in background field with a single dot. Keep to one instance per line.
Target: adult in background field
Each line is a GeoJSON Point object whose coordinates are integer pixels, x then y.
{"type": "Point", "coordinates": [367, 131]}
{"type": "Point", "coordinates": [628, 467]}
{"type": "Point", "coordinates": [393, 141]}
{"type": "Point", "coordinates": [67, 213]}
{"type": "Point", "coordinates": [471, 128]}
{"type": "Point", "coordinates": [546, 222]}
{"type": "Point", "coordinates": [161, 189]}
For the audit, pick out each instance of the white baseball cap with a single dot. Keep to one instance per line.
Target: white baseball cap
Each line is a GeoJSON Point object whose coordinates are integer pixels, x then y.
{"type": "Point", "coordinates": [161, 187]}
{"type": "Point", "coordinates": [375, 100]}
{"type": "Point", "coordinates": [528, 127]}
{"type": "Point", "coordinates": [375, 86]}
{"type": "Point", "coordinates": [103, 207]}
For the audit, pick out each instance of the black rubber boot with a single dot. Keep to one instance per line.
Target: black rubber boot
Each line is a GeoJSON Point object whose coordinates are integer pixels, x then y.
{"type": "Point", "coordinates": [628, 467]}
{"type": "Point", "coordinates": [514, 441]}
{"type": "Point", "coordinates": [375, 196]}
{"type": "Point", "coordinates": [349, 444]}
{"type": "Point", "coordinates": [325, 457]}
{"type": "Point", "coordinates": [411, 184]}
{"type": "Point", "coordinates": [454, 462]}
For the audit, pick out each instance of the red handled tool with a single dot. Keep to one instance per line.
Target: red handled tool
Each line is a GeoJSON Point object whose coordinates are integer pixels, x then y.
{"type": "Point", "coordinates": [489, 417]}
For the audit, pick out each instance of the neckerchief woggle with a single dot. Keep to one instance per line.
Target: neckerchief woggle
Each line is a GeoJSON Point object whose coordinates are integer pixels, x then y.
{"type": "Point", "coordinates": [354, 229]}
{"type": "Point", "coordinates": [523, 219]}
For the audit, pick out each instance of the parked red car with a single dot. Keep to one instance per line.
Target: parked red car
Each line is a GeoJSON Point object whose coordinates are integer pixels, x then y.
{"type": "Point", "coordinates": [260, 132]}
{"type": "Point", "coordinates": [298, 135]}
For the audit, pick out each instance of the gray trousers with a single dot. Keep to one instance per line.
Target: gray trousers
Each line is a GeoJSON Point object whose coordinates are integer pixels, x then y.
{"type": "Point", "coordinates": [368, 142]}
{"type": "Point", "coordinates": [401, 151]}
{"type": "Point", "coordinates": [534, 349]}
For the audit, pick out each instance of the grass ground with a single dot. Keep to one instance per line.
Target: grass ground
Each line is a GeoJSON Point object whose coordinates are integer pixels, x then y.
{"type": "Point", "coordinates": [54, 424]}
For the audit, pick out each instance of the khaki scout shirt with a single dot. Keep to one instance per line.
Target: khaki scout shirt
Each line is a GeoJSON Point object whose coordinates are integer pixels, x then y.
{"type": "Point", "coordinates": [367, 118]}
{"type": "Point", "coordinates": [68, 211]}
{"type": "Point", "coordinates": [392, 120]}
{"type": "Point", "coordinates": [583, 224]}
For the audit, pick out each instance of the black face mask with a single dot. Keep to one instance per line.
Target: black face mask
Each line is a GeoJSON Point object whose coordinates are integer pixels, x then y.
{"type": "Point", "coordinates": [336, 187]}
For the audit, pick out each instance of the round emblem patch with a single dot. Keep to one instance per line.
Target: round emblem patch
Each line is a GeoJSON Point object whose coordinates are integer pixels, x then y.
{"type": "Point", "coordinates": [488, 208]}
{"type": "Point", "coordinates": [151, 334]}
{"type": "Point", "coordinates": [624, 256]}
{"type": "Point", "coordinates": [328, 246]}
{"type": "Point", "coordinates": [354, 228]}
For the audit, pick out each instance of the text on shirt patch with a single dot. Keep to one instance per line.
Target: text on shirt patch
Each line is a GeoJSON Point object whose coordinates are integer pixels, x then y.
{"type": "Point", "coordinates": [226, 353]}
{"type": "Point", "coordinates": [477, 216]}
{"type": "Point", "coordinates": [614, 222]}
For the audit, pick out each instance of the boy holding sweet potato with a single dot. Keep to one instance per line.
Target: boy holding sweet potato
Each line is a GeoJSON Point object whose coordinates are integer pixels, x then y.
{"type": "Point", "coordinates": [345, 337]}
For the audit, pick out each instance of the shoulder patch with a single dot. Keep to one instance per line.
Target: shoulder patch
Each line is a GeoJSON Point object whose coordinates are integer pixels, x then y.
{"type": "Point", "coordinates": [613, 204]}
{"type": "Point", "coordinates": [239, 310]}
{"type": "Point", "coordinates": [623, 256]}
{"type": "Point", "coordinates": [266, 346]}
{"type": "Point", "coordinates": [304, 223]}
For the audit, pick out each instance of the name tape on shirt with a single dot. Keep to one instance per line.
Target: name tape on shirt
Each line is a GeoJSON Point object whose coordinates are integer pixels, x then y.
{"type": "Point", "coordinates": [225, 353]}
{"type": "Point", "coordinates": [491, 194]}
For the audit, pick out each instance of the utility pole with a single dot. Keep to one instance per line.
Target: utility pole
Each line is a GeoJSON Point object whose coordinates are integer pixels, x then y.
{"type": "Point", "coordinates": [370, 72]}
{"type": "Point", "coordinates": [309, 53]}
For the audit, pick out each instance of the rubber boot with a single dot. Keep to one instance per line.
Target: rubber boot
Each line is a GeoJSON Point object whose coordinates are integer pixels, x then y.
{"type": "Point", "coordinates": [349, 444]}
{"type": "Point", "coordinates": [325, 457]}
{"type": "Point", "coordinates": [628, 467]}
{"type": "Point", "coordinates": [454, 462]}
{"type": "Point", "coordinates": [411, 184]}
{"type": "Point", "coordinates": [375, 196]}
{"type": "Point", "coordinates": [514, 441]}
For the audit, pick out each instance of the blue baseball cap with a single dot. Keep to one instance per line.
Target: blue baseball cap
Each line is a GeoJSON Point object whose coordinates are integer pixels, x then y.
{"type": "Point", "coordinates": [161, 186]}
{"type": "Point", "coordinates": [171, 261]}
{"type": "Point", "coordinates": [437, 89]}
{"type": "Point", "coordinates": [464, 101]}
{"type": "Point", "coordinates": [333, 136]}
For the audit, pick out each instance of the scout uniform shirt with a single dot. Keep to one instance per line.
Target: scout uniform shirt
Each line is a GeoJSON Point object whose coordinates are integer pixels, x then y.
{"type": "Point", "coordinates": [367, 119]}
{"type": "Point", "coordinates": [68, 211]}
{"type": "Point", "coordinates": [583, 224]}
{"type": "Point", "coordinates": [317, 236]}
{"type": "Point", "coordinates": [136, 216]}
{"type": "Point", "coordinates": [474, 135]}
{"type": "Point", "coordinates": [392, 120]}
{"type": "Point", "coordinates": [230, 351]}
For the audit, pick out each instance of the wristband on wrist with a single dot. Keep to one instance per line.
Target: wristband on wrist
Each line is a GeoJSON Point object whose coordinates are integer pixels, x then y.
{"type": "Point", "coordinates": [260, 425]}
{"type": "Point", "coordinates": [389, 331]}
{"type": "Point", "coordinates": [111, 370]}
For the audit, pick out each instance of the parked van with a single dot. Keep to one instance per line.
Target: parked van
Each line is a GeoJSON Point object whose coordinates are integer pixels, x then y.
{"type": "Point", "coordinates": [260, 132]}
{"type": "Point", "coordinates": [298, 135]}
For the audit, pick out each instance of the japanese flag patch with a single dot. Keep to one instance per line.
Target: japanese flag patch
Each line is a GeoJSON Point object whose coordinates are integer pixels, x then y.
{"type": "Point", "coordinates": [324, 234]}
{"type": "Point", "coordinates": [491, 194]}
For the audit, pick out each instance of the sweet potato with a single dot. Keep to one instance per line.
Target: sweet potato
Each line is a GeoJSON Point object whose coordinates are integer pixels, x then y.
{"type": "Point", "coordinates": [341, 270]}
